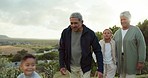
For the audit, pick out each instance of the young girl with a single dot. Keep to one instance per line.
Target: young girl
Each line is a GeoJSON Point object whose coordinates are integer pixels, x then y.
{"type": "Point", "coordinates": [28, 66]}
{"type": "Point", "coordinates": [108, 51]}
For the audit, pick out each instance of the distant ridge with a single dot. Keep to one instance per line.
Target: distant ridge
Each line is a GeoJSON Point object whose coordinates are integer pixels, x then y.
{"type": "Point", "coordinates": [4, 36]}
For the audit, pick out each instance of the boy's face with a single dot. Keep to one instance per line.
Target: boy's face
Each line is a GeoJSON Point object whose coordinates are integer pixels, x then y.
{"type": "Point", "coordinates": [28, 66]}
{"type": "Point", "coordinates": [107, 34]}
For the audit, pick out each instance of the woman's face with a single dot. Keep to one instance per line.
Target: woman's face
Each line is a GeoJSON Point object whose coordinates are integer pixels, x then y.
{"type": "Point", "coordinates": [125, 22]}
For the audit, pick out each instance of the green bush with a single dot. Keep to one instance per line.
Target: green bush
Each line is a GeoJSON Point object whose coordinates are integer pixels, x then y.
{"type": "Point", "coordinates": [10, 72]}
{"type": "Point", "coordinates": [48, 70]}
{"type": "Point", "coordinates": [145, 69]}
{"type": "Point", "coordinates": [48, 56]}
{"type": "Point", "coordinates": [93, 68]}
{"type": "Point", "coordinates": [6, 71]}
{"type": "Point", "coordinates": [4, 62]}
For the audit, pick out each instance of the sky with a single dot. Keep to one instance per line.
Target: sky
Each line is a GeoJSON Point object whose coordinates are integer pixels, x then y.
{"type": "Point", "coordinates": [45, 19]}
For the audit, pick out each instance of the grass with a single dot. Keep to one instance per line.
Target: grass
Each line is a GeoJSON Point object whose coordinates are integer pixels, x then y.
{"type": "Point", "coordinates": [8, 49]}
{"type": "Point", "coordinates": [58, 75]}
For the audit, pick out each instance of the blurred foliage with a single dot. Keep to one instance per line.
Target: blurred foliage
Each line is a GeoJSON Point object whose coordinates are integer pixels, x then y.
{"type": "Point", "coordinates": [99, 35]}
{"type": "Point", "coordinates": [6, 70]}
{"type": "Point", "coordinates": [17, 57]}
{"type": "Point", "coordinates": [144, 28]}
{"type": "Point", "coordinates": [114, 29]}
{"type": "Point", "coordinates": [48, 56]}
{"type": "Point", "coordinates": [47, 70]}
{"type": "Point", "coordinates": [9, 72]}
{"type": "Point", "coordinates": [4, 62]}
{"type": "Point", "coordinates": [145, 69]}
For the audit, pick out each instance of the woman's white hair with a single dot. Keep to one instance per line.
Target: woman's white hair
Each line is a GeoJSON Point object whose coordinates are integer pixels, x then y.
{"type": "Point", "coordinates": [126, 14]}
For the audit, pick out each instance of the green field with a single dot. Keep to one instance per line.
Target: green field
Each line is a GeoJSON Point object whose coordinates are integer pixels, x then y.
{"type": "Point", "coordinates": [58, 75]}
{"type": "Point", "coordinates": [23, 41]}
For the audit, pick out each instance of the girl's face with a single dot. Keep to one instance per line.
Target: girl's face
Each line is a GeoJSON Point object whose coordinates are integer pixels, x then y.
{"type": "Point", "coordinates": [28, 66]}
{"type": "Point", "coordinates": [107, 34]}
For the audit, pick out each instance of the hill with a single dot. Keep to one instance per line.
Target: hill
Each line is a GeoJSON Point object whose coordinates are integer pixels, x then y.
{"type": "Point", "coordinates": [31, 42]}
{"type": "Point", "coordinates": [7, 50]}
{"type": "Point", "coordinates": [3, 36]}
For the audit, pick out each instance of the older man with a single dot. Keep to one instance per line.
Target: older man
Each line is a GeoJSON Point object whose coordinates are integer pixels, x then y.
{"type": "Point", "coordinates": [130, 47]}
{"type": "Point", "coordinates": [75, 53]}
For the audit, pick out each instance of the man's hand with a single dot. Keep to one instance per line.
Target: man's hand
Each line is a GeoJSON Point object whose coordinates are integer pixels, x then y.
{"type": "Point", "coordinates": [100, 75]}
{"type": "Point", "coordinates": [63, 71]}
{"type": "Point", "coordinates": [140, 65]}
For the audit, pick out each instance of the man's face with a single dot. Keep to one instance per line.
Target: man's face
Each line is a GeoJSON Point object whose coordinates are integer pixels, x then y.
{"type": "Point", "coordinates": [124, 22]}
{"type": "Point", "coordinates": [28, 66]}
{"type": "Point", "coordinates": [75, 24]}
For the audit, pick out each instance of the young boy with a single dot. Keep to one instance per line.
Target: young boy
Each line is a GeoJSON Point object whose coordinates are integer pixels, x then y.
{"type": "Point", "coordinates": [28, 66]}
{"type": "Point", "coordinates": [108, 51]}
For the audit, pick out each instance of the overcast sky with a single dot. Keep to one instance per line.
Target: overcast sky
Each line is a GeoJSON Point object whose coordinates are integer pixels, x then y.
{"type": "Point", "coordinates": [45, 19]}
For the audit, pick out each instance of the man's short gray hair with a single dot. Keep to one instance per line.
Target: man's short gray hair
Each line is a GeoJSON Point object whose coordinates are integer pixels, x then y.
{"type": "Point", "coordinates": [76, 15]}
{"type": "Point", "coordinates": [126, 14]}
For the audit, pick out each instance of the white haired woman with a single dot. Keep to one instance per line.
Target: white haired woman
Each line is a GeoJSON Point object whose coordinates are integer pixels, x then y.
{"type": "Point", "coordinates": [130, 47]}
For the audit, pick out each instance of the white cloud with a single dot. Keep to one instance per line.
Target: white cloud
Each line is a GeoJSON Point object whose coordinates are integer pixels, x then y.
{"type": "Point", "coordinates": [42, 19]}
{"type": "Point", "coordinates": [39, 32]}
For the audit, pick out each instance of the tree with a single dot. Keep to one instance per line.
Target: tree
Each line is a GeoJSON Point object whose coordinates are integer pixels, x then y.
{"type": "Point", "coordinates": [114, 28]}
{"type": "Point", "coordinates": [17, 57]}
{"type": "Point", "coordinates": [22, 52]}
{"type": "Point", "coordinates": [99, 35]}
{"type": "Point", "coordinates": [144, 28]}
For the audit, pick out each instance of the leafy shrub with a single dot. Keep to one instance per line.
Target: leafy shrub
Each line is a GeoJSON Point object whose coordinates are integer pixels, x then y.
{"type": "Point", "coordinates": [10, 72]}
{"type": "Point", "coordinates": [145, 69]}
{"type": "Point", "coordinates": [6, 71]}
{"type": "Point", "coordinates": [48, 70]}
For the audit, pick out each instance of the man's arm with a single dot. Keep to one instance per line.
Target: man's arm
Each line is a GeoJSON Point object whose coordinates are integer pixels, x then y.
{"type": "Point", "coordinates": [61, 51]}
{"type": "Point", "coordinates": [97, 50]}
{"type": "Point", "coordinates": [62, 54]}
